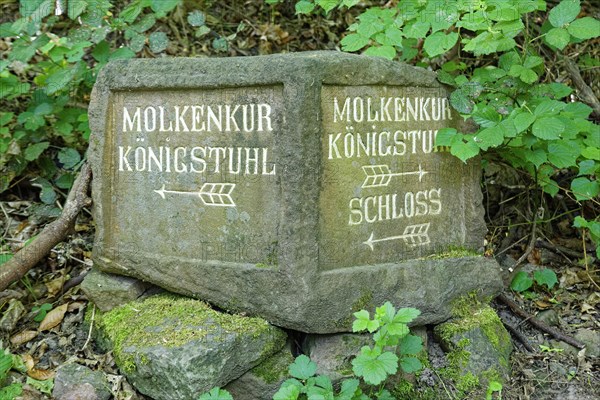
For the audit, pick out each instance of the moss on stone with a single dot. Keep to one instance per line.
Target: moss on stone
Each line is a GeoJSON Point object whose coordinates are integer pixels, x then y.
{"type": "Point", "coordinates": [170, 321]}
{"type": "Point", "coordinates": [405, 390]}
{"type": "Point", "coordinates": [453, 252]}
{"type": "Point", "coordinates": [274, 368]}
{"type": "Point", "coordinates": [362, 303]}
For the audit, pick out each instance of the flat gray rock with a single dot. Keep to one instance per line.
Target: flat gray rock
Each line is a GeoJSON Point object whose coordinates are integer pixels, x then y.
{"type": "Point", "coordinates": [173, 348]}
{"type": "Point", "coordinates": [296, 187]}
{"type": "Point", "coordinates": [108, 291]}
{"type": "Point", "coordinates": [78, 382]}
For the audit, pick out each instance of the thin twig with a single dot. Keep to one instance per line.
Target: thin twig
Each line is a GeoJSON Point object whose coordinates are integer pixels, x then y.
{"type": "Point", "coordinates": [520, 337]}
{"type": "Point", "coordinates": [539, 324]}
{"type": "Point", "coordinates": [89, 336]}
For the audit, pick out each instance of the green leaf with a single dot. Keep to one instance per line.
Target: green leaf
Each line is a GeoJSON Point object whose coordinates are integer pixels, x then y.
{"type": "Point", "coordinates": [302, 368]}
{"type": "Point", "coordinates": [349, 389]}
{"type": "Point", "coordinates": [533, 61]}
{"type": "Point", "coordinates": [101, 52]}
{"type": "Point", "coordinates": [382, 51]}
{"type": "Point", "coordinates": [548, 128]}
{"type": "Point", "coordinates": [439, 43]}
{"type": "Point", "coordinates": [521, 282]}
{"type": "Point", "coordinates": [11, 392]}
{"type": "Point", "coordinates": [406, 315]}
{"type": "Point", "coordinates": [486, 117]}
{"type": "Point", "coordinates": [545, 277]}
{"type": "Point", "coordinates": [131, 12]}
{"type": "Point", "coordinates": [565, 12]}
{"type": "Point", "coordinates": [549, 108]}
{"type": "Point", "coordinates": [65, 181]}
{"type": "Point", "coordinates": [163, 6]}
{"type": "Point", "coordinates": [375, 370]}
{"type": "Point", "coordinates": [287, 392]}
{"type": "Point", "coordinates": [585, 28]}
{"type": "Point", "coordinates": [445, 137]}
{"type": "Point", "coordinates": [354, 42]}
{"type": "Point", "coordinates": [33, 151]}
{"type": "Point", "coordinates": [158, 42]}
{"type": "Point", "coordinates": [489, 137]}
{"type": "Point", "coordinates": [122, 53]}
{"type": "Point", "coordinates": [463, 150]}
{"type": "Point", "coordinates": [44, 386]}
{"type": "Point", "coordinates": [216, 394]}
{"type": "Point", "coordinates": [69, 157]}
{"type": "Point", "coordinates": [587, 167]}
{"type": "Point", "coordinates": [196, 18]}
{"type": "Point", "coordinates": [523, 120]}
{"type": "Point", "coordinates": [537, 157]}
{"type": "Point", "coordinates": [461, 102]}
{"type": "Point", "coordinates": [305, 7]}
{"type": "Point", "coordinates": [558, 37]}
{"type": "Point", "coordinates": [591, 153]}
{"type": "Point", "coordinates": [4, 258]}
{"type": "Point", "coordinates": [417, 29]}
{"type": "Point", "coordinates": [410, 344]}
{"type": "Point", "coordinates": [394, 35]}
{"type": "Point", "coordinates": [563, 154]}
{"type": "Point", "coordinates": [585, 189]}
{"type": "Point", "coordinates": [410, 364]}
{"type": "Point", "coordinates": [327, 5]}
{"type": "Point", "coordinates": [60, 79]}
{"type": "Point", "coordinates": [76, 8]}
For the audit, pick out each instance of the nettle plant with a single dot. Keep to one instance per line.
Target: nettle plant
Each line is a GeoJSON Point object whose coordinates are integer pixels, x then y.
{"type": "Point", "coordinates": [522, 116]}
{"type": "Point", "coordinates": [55, 50]}
{"type": "Point", "coordinates": [393, 348]}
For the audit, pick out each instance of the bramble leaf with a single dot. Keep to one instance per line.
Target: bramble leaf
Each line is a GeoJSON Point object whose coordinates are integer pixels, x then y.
{"type": "Point", "coordinates": [545, 277]}
{"type": "Point", "coordinates": [585, 28]}
{"type": "Point", "coordinates": [565, 12]}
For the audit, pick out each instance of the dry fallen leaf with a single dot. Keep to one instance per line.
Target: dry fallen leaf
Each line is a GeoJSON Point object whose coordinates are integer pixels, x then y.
{"type": "Point", "coordinates": [55, 285]}
{"type": "Point", "coordinates": [40, 374]}
{"type": "Point", "coordinates": [22, 337]}
{"type": "Point", "coordinates": [76, 306]}
{"type": "Point", "coordinates": [53, 318]}
{"type": "Point", "coordinates": [28, 360]}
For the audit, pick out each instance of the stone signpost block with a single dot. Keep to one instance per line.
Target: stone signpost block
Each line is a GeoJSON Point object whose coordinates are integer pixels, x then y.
{"type": "Point", "coordinates": [297, 187]}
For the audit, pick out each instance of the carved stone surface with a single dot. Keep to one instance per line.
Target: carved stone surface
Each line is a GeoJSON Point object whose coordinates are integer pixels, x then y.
{"type": "Point", "coordinates": [297, 187]}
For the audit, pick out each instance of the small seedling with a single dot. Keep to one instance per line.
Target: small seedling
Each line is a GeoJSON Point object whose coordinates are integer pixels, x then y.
{"type": "Point", "coordinates": [543, 277]}
{"type": "Point", "coordinates": [41, 311]}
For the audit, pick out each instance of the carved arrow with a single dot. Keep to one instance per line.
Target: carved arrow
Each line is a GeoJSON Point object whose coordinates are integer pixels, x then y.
{"type": "Point", "coordinates": [381, 175]}
{"type": "Point", "coordinates": [211, 194]}
{"type": "Point", "coordinates": [414, 235]}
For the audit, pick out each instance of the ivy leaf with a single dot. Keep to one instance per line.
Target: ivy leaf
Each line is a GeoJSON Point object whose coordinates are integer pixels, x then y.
{"type": "Point", "coordinates": [382, 51]}
{"type": "Point", "coordinates": [216, 394]}
{"type": "Point", "coordinates": [411, 344]}
{"type": "Point", "coordinates": [545, 277]}
{"type": "Point", "coordinates": [563, 153]}
{"type": "Point", "coordinates": [565, 12]}
{"type": "Point", "coordinates": [305, 7]}
{"type": "Point", "coordinates": [548, 128]}
{"type": "Point", "coordinates": [558, 37]}
{"type": "Point", "coordinates": [439, 43]}
{"type": "Point", "coordinates": [585, 28]}
{"type": "Point", "coordinates": [375, 370]}
{"type": "Point", "coordinates": [302, 368]}
{"type": "Point", "coordinates": [354, 42]}
{"type": "Point", "coordinates": [410, 364]}
{"type": "Point", "coordinates": [521, 282]}
{"type": "Point", "coordinates": [585, 189]}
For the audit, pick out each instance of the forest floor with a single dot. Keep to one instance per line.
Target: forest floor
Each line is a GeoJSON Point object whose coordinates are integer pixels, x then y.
{"type": "Point", "coordinates": [553, 370]}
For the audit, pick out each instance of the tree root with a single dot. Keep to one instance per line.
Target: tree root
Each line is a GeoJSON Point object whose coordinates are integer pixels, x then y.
{"type": "Point", "coordinates": [54, 233]}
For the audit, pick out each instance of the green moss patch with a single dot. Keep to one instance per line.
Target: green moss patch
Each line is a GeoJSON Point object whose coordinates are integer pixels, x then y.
{"type": "Point", "coordinates": [170, 321]}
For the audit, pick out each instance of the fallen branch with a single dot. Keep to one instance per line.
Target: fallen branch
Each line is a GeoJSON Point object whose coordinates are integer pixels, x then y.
{"type": "Point", "coordinates": [54, 233]}
{"type": "Point", "coordinates": [518, 335]}
{"type": "Point", "coordinates": [539, 324]}
{"type": "Point", "coordinates": [586, 94]}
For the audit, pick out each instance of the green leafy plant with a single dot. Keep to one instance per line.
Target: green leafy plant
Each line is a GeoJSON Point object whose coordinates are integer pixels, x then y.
{"type": "Point", "coordinates": [523, 281]}
{"type": "Point", "coordinates": [494, 387]}
{"type": "Point", "coordinates": [7, 362]}
{"type": "Point", "coordinates": [393, 347]}
{"type": "Point", "coordinates": [41, 311]}
{"type": "Point", "coordinates": [522, 116]}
